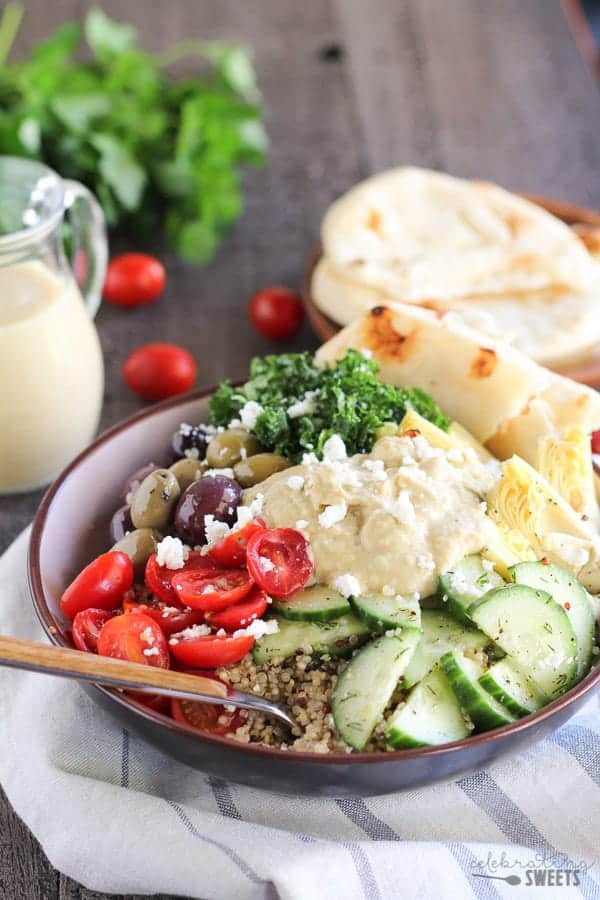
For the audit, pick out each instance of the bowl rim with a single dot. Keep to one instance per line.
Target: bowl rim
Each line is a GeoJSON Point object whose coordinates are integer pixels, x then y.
{"type": "Point", "coordinates": [48, 622]}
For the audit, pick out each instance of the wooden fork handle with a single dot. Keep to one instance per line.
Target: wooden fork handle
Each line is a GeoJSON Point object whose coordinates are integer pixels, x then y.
{"type": "Point", "coordinates": [38, 657]}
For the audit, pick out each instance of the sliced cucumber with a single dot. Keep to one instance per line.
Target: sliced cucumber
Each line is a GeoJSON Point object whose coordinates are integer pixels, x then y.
{"type": "Point", "coordinates": [463, 675]}
{"type": "Point", "coordinates": [365, 687]}
{"type": "Point", "coordinates": [431, 715]}
{"type": "Point", "coordinates": [569, 594]}
{"type": "Point", "coordinates": [465, 583]}
{"type": "Point", "coordinates": [313, 604]}
{"type": "Point", "coordinates": [529, 626]}
{"type": "Point", "coordinates": [440, 633]}
{"type": "Point", "coordinates": [382, 613]}
{"type": "Point", "coordinates": [337, 638]}
{"type": "Point", "coordinates": [505, 681]}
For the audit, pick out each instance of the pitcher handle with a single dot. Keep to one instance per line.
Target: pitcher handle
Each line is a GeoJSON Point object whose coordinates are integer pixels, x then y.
{"type": "Point", "coordinates": [90, 246]}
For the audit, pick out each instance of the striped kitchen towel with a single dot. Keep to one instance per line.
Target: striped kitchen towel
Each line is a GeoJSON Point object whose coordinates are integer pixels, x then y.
{"type": "Point", "coordinates": [119, 816]}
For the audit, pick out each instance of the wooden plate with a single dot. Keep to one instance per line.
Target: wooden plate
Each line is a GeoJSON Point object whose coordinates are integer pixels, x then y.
{"type": "Point", "coordinates": [586, 373]}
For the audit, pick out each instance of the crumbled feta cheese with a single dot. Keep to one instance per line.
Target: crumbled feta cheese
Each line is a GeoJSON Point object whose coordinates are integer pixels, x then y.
{"type": "Point", "coordinates": [425, 561]}
{"type": "Point", "coordinates": [243, 453]}
{"type": "Point", "coordinates": [227, 472]}
{"type": "Point", "coordinates": [215, 530]}
{"type": "Point", "coordinates": [554, 660]}
{"type": "Point", "coordinates": [333, 514]}
{"type": "Point", "coordinates": [235, 423]}
{"type": "Point", "coordinates": [366, 353]}
{"type": "Point", "coordinates": [458, 584]}
{"type": "Point", "coordinates": [192, 453]}
{"type": "Point", "coordinates": [309, 459]}
{"type": "Point", "coordinates": [375, 468]}
{"type": "Point", "coordinates": [258, 629]}
{"type": "Point", "coordinates": [388, 590]}
{"type": "Point", "coordinates": [401, 508]}
{"type": "Point", "coordinates": [488, 565]}
{"type": "Point", "coordinates": [301, 524]}
{"type": "Point", "coordinates": [172, 553]}
{"type": "Point", "coordinates": [169, 611]}
{"type": "Point", "coordinates": [147, 635]}
{"type": "Point", "coordinates": [194, 631]}
{"type": "Point", "coordinates": [347, 585]}
{"type": "Point", "coordinates": [304, 407]}
{"type": "Point", "coordinates": [295, 482]}
{"type": "Point", "coordinates": [455, 455]}
{"type": "Point", "coordinates": [267, 564]}
{"type": "Point", "coordinates": [334, 448]}
{"type": "Point", "coordinates": [249, 413]}
{"type": "Point", "coordinates": [151, 651]}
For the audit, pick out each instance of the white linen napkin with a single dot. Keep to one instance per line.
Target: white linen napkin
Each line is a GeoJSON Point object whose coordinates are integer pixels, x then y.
{"type": "Point", "coordinates": [119, 816]}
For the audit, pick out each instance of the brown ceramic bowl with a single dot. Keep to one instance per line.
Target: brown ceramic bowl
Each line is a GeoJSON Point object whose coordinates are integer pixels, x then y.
{"type": "Point", "coordinates": [585, 221]}
{"type": "Point", "coordinates": [71, 527]}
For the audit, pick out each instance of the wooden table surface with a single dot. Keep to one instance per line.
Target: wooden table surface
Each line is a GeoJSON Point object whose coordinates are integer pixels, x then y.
{"type": "Point", "coordinates": [494, 90]}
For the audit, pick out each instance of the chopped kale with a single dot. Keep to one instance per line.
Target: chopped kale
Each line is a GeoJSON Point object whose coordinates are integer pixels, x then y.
{"type": "Point", "coordinates": [346, 399]}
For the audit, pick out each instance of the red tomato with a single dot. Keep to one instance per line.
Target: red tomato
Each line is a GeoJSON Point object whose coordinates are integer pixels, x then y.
{"type": "Point", "coordinates": [136, 638]}
{"type": "Point", "coordinates": [134, 279]}
{"type": "Point", "coordinates": [214, 719]}
{"type": "Point", "coordinates": [231, 551]}
{"type": "Point", "coordinates": [210, 651]}
{"type": "Point", "coordinates": [87, 625]}
{"type": "Point", "coordinates": [170, 618]}
{"type": "Point", "coordinates": [278, 560]}
{"type": "Point", "coordinates": [158, 578]}
{"type": "Point", "coordinates": [100, 585]}
{"type": "Point", "coordinates": [210, 591]}
{"type": "Point", "coordinates": [157, 371]}
{"type": "Point", "coordinates": [240, 614]}
{"type": "Point", "coordinates": [596, 441]}
{"type": "Point", "coordinates": [153, 701]}
{"type": "Point", "coordinates": [276, 312]}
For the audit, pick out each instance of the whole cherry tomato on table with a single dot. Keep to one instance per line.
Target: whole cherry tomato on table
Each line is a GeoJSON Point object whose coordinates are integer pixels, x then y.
{"type": "Point", "coordinates": [133, 279]}
{"type": "Point", "coordinates": [136, 638]}
{"type": "Point", "coordinates": [158, 371]}
{"type": "Point", "coordinates": [278, 560]}
{"type": "Point", "coordinates": [276, 312]}
{"type": "Point", "coordinates": [100, 585]}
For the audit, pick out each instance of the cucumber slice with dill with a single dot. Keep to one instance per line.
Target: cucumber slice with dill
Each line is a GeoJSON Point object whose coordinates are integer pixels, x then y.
{"type": "Point", "coordinates": [365, 687]}
{"type": "Point", "coordinates": [463, 675]}
{"type": "Point", "coordinates": [465, 583]}
{"type": "Point", "coordinates": [430, 716]}
{"type": "Point", "coordinates": [505, 681]}
{"type": "Point", "coordinates": [337, 638]}
{"type": "Point", "coordinates": [382, 613]}
{"type": "Point", "coordinates": [440, 634]}
{"type": "Point", "coordinates": [313, 604]}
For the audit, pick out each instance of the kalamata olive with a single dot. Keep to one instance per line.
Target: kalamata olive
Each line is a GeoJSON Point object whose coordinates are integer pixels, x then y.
{"type": "Point", "coordinates": [120, 523]}
{"type": "Point", "coordinates": [189, 440]}
{"type": "Point", "coordinates": [139, 545]}
{"type": "Point", "coordinates": [212, 495]}
{"type": "Point", "coordinates": [229, 447]}
{"type": "Point", "coordinates": [256, 468]}
{"type": "Point", "coordinates": [135, 479]}
{"type": "Point", "coordinates": [187, 470]}
{"type": "Point", "coordinates": [154, 501]}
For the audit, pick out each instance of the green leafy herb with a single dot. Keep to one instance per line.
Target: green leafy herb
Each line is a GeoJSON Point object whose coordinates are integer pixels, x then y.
{"type": "Point", "coordinates": [346, 399]}
{"type": "Point", "coordinates": [153, 149]}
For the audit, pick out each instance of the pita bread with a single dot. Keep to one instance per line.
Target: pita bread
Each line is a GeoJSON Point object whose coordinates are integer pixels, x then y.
{"type": "Point", "coordinates": [555, 328]}
{"type": "Point", "coordinates": [505, 399]}
{"type": "Point", "coordinates": [414, 233]}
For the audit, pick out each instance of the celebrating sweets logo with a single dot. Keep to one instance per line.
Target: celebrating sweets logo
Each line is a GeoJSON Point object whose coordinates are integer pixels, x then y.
{"type": "Point", "coordinates": [540, 871]}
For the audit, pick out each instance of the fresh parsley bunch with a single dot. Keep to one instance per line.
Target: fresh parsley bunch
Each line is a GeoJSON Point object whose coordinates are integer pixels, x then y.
{"type": "Point", "coordinates": [346, 399]}
{"type": "Point", "coordinates": [152, 148]}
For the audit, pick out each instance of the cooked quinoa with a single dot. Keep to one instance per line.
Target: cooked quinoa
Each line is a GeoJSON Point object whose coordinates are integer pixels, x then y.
{"type": "Point", "coordinates": [304, 685]}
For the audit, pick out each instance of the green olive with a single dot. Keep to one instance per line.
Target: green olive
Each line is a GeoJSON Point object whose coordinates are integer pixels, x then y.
{"type": "Point", "coordinates": [229, 447]}
{"type": "Point", "coordinates": [258, 467]}
{"type": "Point", "coordinates": [139, 545]}
{"type": "Point", "coordinates": [187, 471]}
{"type": "Point", "coordinates": [153, 502]}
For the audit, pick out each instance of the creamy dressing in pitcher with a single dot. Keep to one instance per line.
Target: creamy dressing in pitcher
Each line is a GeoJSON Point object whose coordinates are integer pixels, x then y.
{"type": "Point", "coordinates": [51, 375]}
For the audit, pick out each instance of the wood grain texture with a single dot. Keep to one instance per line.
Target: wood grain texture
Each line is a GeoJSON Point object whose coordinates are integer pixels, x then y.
{"type": "Point", "coordinates": [489, 89]}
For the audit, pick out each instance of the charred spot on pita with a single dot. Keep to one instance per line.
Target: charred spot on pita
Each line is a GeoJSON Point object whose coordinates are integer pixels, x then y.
{"type": "Point", "coordinates": [382, 338]}
{"type": "Point", "coordinates": [484, 362]}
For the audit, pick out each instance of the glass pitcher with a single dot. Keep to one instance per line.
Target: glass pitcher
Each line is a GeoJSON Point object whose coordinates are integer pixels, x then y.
{"type": "Point", "coordinates": [51, 370]}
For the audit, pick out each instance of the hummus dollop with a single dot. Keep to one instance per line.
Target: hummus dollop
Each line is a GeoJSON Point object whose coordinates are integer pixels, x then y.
{"type": "Point", "coordinates": [395, 518]}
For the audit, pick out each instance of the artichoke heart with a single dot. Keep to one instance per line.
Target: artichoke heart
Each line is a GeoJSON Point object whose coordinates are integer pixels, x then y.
{"type": "Point", "coordinates": [525, 501]}
{"type": "Point", "coordinates": [507, 549]}
{"type": "Point", "coordinates": [456, 438]}
{"type": "Point", "coordinates": [566, 463]}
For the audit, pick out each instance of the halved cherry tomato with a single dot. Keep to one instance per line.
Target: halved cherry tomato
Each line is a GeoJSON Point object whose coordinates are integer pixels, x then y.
{"type": "Point", "coordinates": [240, 614]}
{"type": "Point", "coordinates": [137, 638]}
{"type": "Point", "coordinates": [133, 279]}
{"type": "Point", "coordinates": [100, 585]}
{"type": "Point", "coordinates": [210, 651]}
{"type": "Point", "coordinates": [157, 371]}
{"type": "Point", "coordinates": [210, 591]}
{"type": "Point", "coordinates": [158, 578]}
{"type": "Point", "coordinates": [596, 441]}
{"type": "Point", "coordinates": [278, 560]}
{"type": "Point", "coordinates": [153, 701]}
{"type": "Point", "coordinates": [231, 551]}
{"type": "Point", "coordinates": [206, 716]}
{"type": "Point", "coordinates": [87, 626]}
{"type": "Point", "coordinates": [170, 618]}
